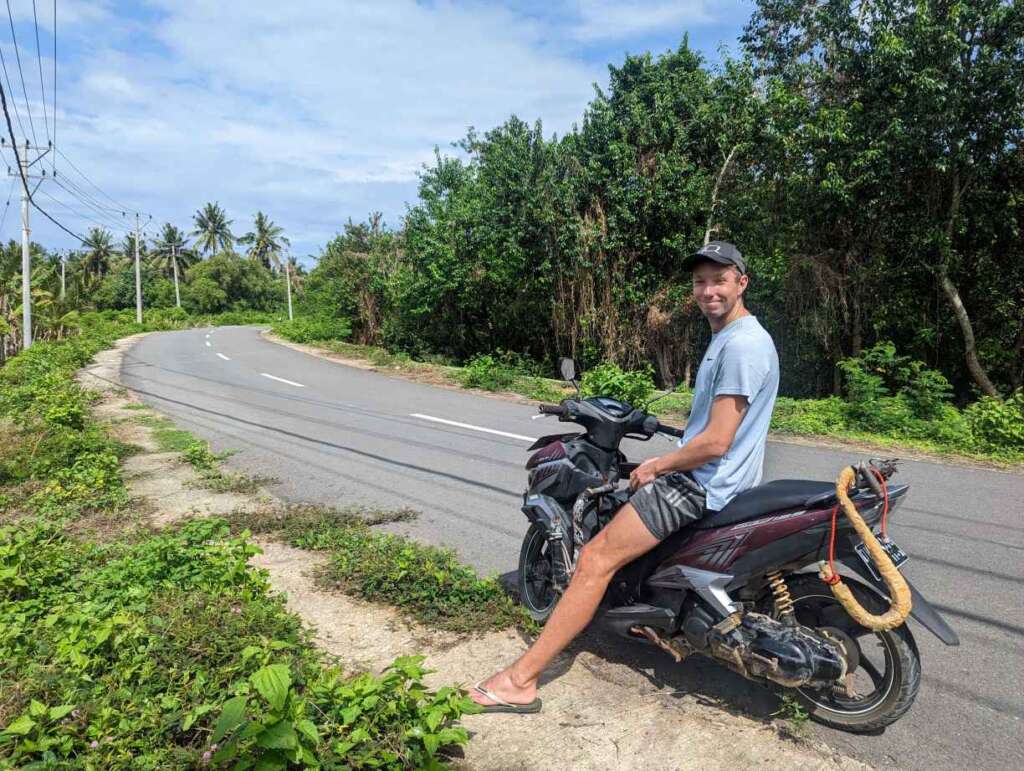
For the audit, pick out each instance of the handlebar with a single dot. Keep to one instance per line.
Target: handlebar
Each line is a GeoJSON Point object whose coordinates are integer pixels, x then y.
{"type": "Point", "coordinates": [677, 432]}
{"type": "Point", "coordinates": [551, 409]}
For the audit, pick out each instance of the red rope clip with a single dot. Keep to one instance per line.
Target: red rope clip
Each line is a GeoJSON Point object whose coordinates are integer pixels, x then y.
{"type": "Point", "coordinates": [836, 578]}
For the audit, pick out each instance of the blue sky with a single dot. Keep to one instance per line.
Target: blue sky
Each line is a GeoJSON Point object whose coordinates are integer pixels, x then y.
{"type": "Point", "coordinates": [312, 112]}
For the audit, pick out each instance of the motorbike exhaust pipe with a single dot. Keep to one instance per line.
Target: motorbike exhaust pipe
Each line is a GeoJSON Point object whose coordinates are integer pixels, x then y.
{"type": "Point", "coordinates": [624, 619]}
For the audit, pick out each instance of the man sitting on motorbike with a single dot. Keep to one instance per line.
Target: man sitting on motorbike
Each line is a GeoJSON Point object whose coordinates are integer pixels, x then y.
{"type": "Point", "coordinates": [720, 456]}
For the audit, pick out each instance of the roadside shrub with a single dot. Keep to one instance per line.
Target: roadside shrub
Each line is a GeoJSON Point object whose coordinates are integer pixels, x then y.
{"type": "Point", "coordinates": [608, 379]}
{"type": "Point", "coordinates": [198, 454]}
{"type": "Point", "coordinates": [808, 416]}
{"type": "Point", "coordinates": [996, 423]}
{"type": "Point", "coordinates": [879, 372]}
{"type": "Point", "coordinates": [500, 371]}
{"type": "Point", "coordinates": [489, 373]}
{"type": "Point", "coordinates": [306, 329]}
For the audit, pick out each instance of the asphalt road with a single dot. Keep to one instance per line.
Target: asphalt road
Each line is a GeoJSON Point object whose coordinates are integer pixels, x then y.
{"type": "Point", "coordinates": [338, 435]}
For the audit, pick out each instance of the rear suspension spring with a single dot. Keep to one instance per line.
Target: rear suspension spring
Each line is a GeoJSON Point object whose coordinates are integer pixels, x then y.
{"type": "Point", "coordinates": [783, 600]}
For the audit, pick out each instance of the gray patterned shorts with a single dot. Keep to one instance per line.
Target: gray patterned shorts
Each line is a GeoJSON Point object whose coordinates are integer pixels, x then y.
{"type": "Point", "coordinates": [669, 503]}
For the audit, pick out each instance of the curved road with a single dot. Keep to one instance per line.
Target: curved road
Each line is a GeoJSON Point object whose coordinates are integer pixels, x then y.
{"type": "Point", "coordinates": [337, 435]}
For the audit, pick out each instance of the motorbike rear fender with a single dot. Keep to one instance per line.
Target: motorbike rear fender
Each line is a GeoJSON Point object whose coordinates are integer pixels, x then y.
{"type": "Point", "coordinates": [920, 609]}
{"type": "Point", "coordinates": [545, 511]}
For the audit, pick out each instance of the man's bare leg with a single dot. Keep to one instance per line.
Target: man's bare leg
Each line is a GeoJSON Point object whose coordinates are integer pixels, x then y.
{"type": "Point", "coordinates": [625, 539]}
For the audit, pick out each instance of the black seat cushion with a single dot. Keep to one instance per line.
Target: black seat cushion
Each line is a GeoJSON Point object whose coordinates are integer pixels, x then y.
{"type": "Point", "coordinates": [768, 498]}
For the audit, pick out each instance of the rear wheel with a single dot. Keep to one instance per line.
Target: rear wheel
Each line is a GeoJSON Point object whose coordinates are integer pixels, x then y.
{"type": "Point", "coordinates": [885, 667]}
{"type": "Point", "coordinates": [536, 587]}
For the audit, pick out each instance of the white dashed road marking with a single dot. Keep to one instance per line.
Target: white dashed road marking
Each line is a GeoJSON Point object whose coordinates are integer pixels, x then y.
{"type": "Point", "coordinates": [208, 344]}
{"type": "Point", "coordinates": [223, 357]}
{"type": "Point", "coordinates": [282, 380]}
{"type": "Point", "coordinates": [473, 428]}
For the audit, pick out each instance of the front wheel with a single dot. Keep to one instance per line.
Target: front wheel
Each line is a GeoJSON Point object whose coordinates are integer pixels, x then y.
{"type": "Point", "coordinates": [885, 667]}
{"type": "Point", "coordinates": [536, 584]}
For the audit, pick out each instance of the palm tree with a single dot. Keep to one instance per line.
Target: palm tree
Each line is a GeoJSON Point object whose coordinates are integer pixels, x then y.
{"type": "Point", "coordinates": [171, 254]}
{"type": "Point", "coordinates": [265, 242]}
{"type": "Point", "coordinates": [99, 252]}
{"type": "Point", "coordinates": [213, 229]}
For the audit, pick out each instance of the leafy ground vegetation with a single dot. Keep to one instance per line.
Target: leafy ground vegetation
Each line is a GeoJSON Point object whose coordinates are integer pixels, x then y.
{"type": "Point", "coordinates": [162, 650]}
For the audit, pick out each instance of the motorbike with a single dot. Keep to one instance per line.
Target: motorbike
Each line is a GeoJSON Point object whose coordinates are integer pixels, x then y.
{"type": "Point", "coordinates": [738, 586]}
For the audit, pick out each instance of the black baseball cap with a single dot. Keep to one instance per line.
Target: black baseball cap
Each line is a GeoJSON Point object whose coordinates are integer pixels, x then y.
{"type": "Point", "coordinates": [721, 252]}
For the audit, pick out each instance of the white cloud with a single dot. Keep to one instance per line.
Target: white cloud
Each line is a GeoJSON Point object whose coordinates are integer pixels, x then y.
{"type": "Point", "coordinates": [623, 19]}
{"type": "Point", "coordinates": [311, 112]}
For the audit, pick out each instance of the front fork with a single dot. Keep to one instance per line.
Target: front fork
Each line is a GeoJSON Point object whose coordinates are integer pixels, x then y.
{"type": "Point", "coordinates": [565, 551]}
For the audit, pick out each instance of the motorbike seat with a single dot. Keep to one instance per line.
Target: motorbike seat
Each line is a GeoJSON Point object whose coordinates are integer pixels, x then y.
{"type": "Point", "coordinates": [769, 498]}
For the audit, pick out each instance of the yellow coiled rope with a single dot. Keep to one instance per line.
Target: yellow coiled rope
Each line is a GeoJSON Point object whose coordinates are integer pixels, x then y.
{"type": "Point", "coordinates": [899, 607]}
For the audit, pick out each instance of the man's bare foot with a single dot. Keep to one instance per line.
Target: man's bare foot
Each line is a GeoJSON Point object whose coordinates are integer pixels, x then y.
{"type": "Point", "coordinates": [503, 686]}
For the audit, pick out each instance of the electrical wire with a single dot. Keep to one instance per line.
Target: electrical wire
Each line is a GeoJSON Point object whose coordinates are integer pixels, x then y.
{"type": "Point", "coordinates": [87, 216]}
{"type": "Point", "coordinates": [17, 115]}
{"type": "Point", "coordinates": [21, 72]}
{"type": "Point", "coordinates": [106, 220]}
{"type": "Point", "coordinates": [21, 171]}
{"type": "Point", "coordinates": [42, 83]}
{"type": "Point", "coordinates": [65, 182]}
{"type": "Point", "coordinates": [7, 206]}
{"type": "Point", "coordinates": [53, 158]}
{"type": "Point", "coordinates": [118, 206]}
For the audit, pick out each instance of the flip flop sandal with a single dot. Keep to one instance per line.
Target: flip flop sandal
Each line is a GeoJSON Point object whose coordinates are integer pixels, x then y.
{"type": "Point", "coordinates": [500, 705]}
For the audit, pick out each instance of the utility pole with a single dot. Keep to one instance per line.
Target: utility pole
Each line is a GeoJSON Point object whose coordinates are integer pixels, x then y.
{"type": "Point", "coordinates": [138, 275]}
{"type": "Point", "coordinates": [24, 167]}
{"type": "Point", "coordinates": [288, 284]}
{"type": "Point", "coordinates": [174, 265]}
{"type": "Point", "coordinates": [63, 288]}
{"type": "Point", "coordinates": [26, 258]}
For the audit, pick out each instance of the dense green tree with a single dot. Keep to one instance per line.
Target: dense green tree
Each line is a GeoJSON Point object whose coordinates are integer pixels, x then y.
{"type": "Point", "coordinates": [227, 282]}
{"type": "Point", "coordinates": [920, 106]}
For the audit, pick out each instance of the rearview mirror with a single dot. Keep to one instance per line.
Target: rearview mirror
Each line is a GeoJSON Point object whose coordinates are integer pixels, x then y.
{"type": "Point", "coordinates": [568, 369]}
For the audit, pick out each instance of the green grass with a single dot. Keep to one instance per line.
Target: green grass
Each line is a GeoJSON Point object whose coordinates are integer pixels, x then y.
{"type": "Point", "coordinates": [227, 482]}
{"type": "Point", "coordinates": [168, 437]}
{"type": "Point", "coordinates": [793, 713]}
{"type": "Point", "coordinates": [429, 584]}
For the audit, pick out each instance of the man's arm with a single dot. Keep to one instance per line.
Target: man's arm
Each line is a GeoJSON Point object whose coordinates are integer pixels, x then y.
{"type": "Point", "coordinates": [710, 444]}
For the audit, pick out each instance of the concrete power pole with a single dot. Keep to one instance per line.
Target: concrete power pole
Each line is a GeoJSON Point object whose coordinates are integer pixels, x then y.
{"type": "Point", "coordinates": [288, 285]}
{"type": "Point", "coordinates": [24, 166]}
{"type": "Point", "coordinates": [138, 275]}
{"type": "Point", "coordinates": [63, 286]}
{"type": "Point", "coordinates": [26, 259]}
{"type": "Point", "coordinates": [174, 265]}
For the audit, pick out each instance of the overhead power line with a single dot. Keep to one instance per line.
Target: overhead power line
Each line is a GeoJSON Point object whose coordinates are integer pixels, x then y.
{"type": "Point", "coordinates": [14, 104]}
{"type": "Point", "coordinates": [100, 219]}
{"type": "Point", "coordinates": [39, 59]}
{"type": "Point", "coordinates": [21, 73]}
{"type": "Point", "coordinates": [118, 206]}
{"type": "Point", "coordinates": [7, 206]}
{"type": "Point", "coordinates": [53, 157]}
{"type": "Point", "coordinates": [86, 216]}
{"type": "Point", "coordinates": [21, 171]}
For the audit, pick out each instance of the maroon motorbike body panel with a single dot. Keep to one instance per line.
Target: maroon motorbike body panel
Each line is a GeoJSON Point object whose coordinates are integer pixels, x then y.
{"type": "Point", "coordinates": [718, 548]}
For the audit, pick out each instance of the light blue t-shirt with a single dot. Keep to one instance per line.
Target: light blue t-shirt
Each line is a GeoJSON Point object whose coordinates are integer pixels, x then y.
{"type": "Point", "coordinates": [740, 361]}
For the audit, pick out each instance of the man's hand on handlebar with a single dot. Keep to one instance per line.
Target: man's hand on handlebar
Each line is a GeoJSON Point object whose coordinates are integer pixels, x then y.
{"type": "Point", "coordinates": [644, 474]}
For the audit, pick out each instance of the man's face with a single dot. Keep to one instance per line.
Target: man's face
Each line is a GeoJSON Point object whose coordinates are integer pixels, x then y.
{"type": "Point", "coordinates": [717, 288]}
